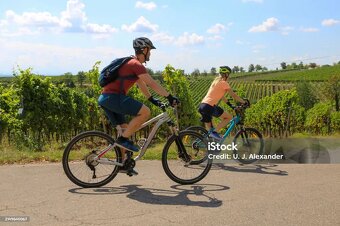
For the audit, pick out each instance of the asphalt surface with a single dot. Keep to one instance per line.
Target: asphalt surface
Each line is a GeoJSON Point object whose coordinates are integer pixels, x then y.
{"type": "Point", "coordinates": [266, 194]}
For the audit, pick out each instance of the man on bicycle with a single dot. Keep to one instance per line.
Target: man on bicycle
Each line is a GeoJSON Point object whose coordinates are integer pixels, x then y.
{"type": "Point", "coordinates": [117, 104]}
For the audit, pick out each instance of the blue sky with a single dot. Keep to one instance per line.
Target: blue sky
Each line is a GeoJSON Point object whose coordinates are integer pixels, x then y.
{"type": "Point", "coordinates": [54, 37]}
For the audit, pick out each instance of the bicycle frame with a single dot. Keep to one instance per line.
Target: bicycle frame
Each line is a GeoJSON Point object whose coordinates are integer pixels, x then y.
{"type": "Point", "coordinates": [159, 119]}
{"type": "Point", "coordinates": [231, 125]}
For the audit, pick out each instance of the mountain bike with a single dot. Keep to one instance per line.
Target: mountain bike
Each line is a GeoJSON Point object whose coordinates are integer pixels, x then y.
{"type": "Point", "coordinates": [249, 141]}
{"type": "Point", "coordinates": [92, 158]}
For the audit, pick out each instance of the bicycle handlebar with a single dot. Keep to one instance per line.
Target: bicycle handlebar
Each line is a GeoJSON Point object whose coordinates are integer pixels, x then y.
{"type": "Point", "coordinates": [238, 108]}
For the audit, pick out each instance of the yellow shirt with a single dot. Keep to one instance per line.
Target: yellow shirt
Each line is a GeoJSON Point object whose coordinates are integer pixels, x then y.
{"type": "Point", "coordinates": [216, 92]}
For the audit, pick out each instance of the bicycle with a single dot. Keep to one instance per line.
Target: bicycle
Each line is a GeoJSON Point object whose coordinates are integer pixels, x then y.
{"type": "Point", "coordinates": [101, 166]}
{"type": "Point", "coordinates": [249, 141]}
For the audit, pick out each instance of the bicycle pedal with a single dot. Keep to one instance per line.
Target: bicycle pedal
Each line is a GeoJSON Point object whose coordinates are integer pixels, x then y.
{"type": "Point", "coordinates": [131, 173]}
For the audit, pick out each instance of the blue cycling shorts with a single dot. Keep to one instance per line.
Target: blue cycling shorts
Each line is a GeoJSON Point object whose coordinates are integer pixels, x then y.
{"type": "Point", "coordinates": [116, 106]}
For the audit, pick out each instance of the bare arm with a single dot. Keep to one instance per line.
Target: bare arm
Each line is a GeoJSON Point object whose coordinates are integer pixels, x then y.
{"type": "Point", "coordinates": [143, 88]}
{"type": "Point", "coordinates": [224, 99]}
{"type": "Point", "coordinates": [235, 96]}
{"type": "Point", "coordinates": [149, 81]}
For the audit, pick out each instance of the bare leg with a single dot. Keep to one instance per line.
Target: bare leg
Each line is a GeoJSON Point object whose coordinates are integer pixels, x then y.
{"type": "Point", "coordinates": [208, 125]}
{"type": "Point", "coordinates": [225, 119]}
{"type": "Point", "coordinates": [136, 122]}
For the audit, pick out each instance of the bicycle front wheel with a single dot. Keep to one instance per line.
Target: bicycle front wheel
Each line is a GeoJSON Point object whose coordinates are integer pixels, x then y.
{"type": "Point", "coordinates": [180, 155]}
{"type": "Point", "coordinates": [80, 161]}
{"type": "Point", "coordinates": [249, 142]}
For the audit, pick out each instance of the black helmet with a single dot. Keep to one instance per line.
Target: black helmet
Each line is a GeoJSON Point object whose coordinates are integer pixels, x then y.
{"type": "Point", "coordinates": [141, 43]}
{"type": "Point", "coordinates": [224, 70]}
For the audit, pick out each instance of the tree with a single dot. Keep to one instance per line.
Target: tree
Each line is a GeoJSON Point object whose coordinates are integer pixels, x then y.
{"type": "Point", "coordinates": [213, 71]}
{"type": "Point", "coordinates": [196, 72]}
{"type": "Point", "coordinates": [264, 69]}
{"type": "Point", "coordinates": [294, 66]}
{"type": "Point", "coordinates": [81, 78]}
{"type": "Point", "coordinates": [251, 68]}
{"type": "Point", "coordinates": [313, 65]}
{"type": "Point", "coordinates": [258, 67]}
{"type": "Point", "coordinates": [283, 65]}
{"type": "Point", "coordinates": [241, 69]}
{"type": "Point", "coordinates": [235, 69]}
{"type": "Point", "coordinates": [68, 79]}
{"type": "Point", "coordinates": [300, 65]}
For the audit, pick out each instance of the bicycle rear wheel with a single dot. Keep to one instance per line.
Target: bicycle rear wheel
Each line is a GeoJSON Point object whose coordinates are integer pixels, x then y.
{"type": "Point", "coordinates": [180, 156]}
{"type": "Point", "coordinates": [249, 142]}
{"type": "Point", "coordinates": [80, 164]}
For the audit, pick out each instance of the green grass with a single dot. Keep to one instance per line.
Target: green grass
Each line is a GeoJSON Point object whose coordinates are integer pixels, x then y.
{"type": "Point", "coordinates": [10, 155]}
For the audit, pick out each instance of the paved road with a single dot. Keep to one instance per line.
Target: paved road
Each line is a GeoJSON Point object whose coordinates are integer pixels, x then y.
{"type": "Point", "coordinates": [287, 194]}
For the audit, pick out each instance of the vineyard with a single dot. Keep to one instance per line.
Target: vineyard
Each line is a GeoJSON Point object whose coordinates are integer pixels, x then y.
{"type": "Point", "coordinates": [54, 112]}
{"type": "Point", "coordinates": [252, 90]}
{"type": "Point", "coordinates": [316, 74]}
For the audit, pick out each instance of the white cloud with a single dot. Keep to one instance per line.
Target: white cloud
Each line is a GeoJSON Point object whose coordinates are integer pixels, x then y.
{"type": "Point", "coordinates": [72, 19]}
{"type": "Point", "coordinates": [162, 37]}
{"type": "Point", "coordinates": [256, 1]}
{"type": "Point", "coordinates": [330, 22]}
{"type": "Point", "coordinates": [216, 29]}
{"type": "Point", "coordinates": [219, 28]}
{"type": "Point", "coordinates": [189, 39]}
{"type": "Point", "coordinates": [147, 5]}
{"type": "Point", "coordinates": [19, 32]}
{"type": "Point", "coordinates": [141, 25]}
{"type": "Point", "coordinates": [39, 19]}
{"type": "Point", "coordinates": [285, 30]}
{"type": "Point", "coordinates": [271, 24]}
{"type": "Point", "coordinates": [309, 29]}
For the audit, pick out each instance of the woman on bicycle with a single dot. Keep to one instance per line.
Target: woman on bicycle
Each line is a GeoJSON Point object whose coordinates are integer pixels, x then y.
{"type": "Point", "coordinates": [216, 92]}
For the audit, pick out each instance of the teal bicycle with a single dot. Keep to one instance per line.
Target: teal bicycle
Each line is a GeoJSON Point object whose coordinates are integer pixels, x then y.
{"type": "Point", "coordinates": [249, 141]}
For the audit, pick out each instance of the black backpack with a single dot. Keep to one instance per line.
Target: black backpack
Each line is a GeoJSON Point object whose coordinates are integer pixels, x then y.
{"type": "Point", "coordinates": [110, 72]}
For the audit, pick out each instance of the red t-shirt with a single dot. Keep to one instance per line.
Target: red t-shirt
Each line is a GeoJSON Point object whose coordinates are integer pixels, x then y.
{"type": "Point", "coordinates": [132, 67]}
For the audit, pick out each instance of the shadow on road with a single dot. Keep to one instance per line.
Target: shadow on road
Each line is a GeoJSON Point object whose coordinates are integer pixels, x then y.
{"type": "Point", "coordinates": [263, 169]}
{"type": "Point", "coordinates": [188, 195]}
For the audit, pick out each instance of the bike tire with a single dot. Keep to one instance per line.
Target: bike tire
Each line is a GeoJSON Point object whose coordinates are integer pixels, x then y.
{"type": "Point", "coordinates": [66, 161]}
{"type": "Point", "coordinates": [201, 130]}
{"type": "Point", "coordinates": [256, 138]}
{"type": "Point", "coordinates": [169, 157]}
